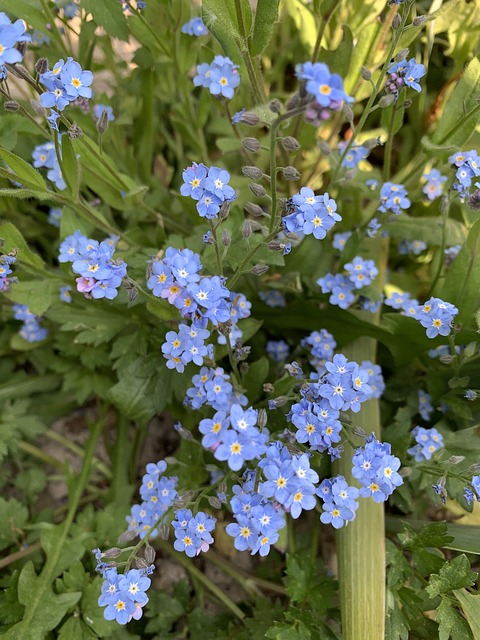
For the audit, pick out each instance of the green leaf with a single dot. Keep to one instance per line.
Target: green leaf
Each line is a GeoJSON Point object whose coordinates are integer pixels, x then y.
{"type": "Point", "coordinates": [339, 60]}
{"type": "Point", "coordinates": [431, 535]}
{"type": "Point", "coordinates": [428, 229]}
{"type": "Point", "coordinates": [38, 295]}
{"type": "Point", "coordinates": [71, 168]}
{"type": "Point", "coordinates": [266, 16]}
{"type": "Point", "coordinates": [109, 15]}
{"type": "Point", "coordinates": [295, 630]}
{"type": "Point", "coordinates": [451, 624]}
{"type": "Point", "coordinates": [304, 21]}
{"type": "Point", "coordinates": [28, 10]}
{"type": "Point", "coordinates": [13, 239]}
{"type": "Point", "coordinates": [398, 113]}
{"type": "Point", "coordinates": [13, 516]}
{"type": "Point", "coordinates": [462, 281]}
{"type": "Point", "coordinates": [255, 377]}
{"type": "Point", "coordinates": [21, 194]}
{"type": "Point", "coordinates": [460, 114]}
{"type": "Point", "coordinates": [471, 607]}
{"type": "Point", "coordinates": [221, 19]}
{"type": "Point", "coordinates": [24, 172]}
{"type": "Point", "coordinates": [453, 575]}
{"type": "Point", "coordinates": [49, 611]}
{"type": "Point", "coordinates": [75, 629]}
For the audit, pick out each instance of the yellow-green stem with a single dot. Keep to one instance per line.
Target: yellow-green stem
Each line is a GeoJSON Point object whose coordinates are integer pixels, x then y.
{"type": "Point", "coordinates": [361, 544]}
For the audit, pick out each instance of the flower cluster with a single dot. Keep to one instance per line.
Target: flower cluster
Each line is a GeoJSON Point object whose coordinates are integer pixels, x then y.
{"type": "Point", "coordinates": [192, 533]}
{"type": "Point", "coordinates": [10, 34]}
{"type": "Point", "coordinates": [188, 345]}
{"type": "Point", "coordinates": [209, 187]}
{"type": "Point", "coordinates": [233, 436]}
{"type": "Point", "coordinates": [124, 595]}
{"type": "Point", "coordinates": [470, 495]}
{"type": "Point", "coordinates": [321, 345]}
{"type": "Point", "coordinates": [273, 298]}
{"type": "Point", "coordinates": [408, 247]}
{"type": "Point", "coordinates": [278, 350]}
{"type": "Point", "coordinates": [436, 316]}
{"type": "Point", "coordinates": [325, 89]}
{"type": "Point", "coordinates": [404, 74]}
{"type": "Point", "coordinates": [360, 273]}
{"type": "Point", "coordinates": [354, 155]}
{"type": "Point", "coordinates": [31, 330]}
{"type": "Point", "coordinates": [220, 77]}
{"type": "Point", "coordinates": [212, 387]}
{"type": "Point", "coordinates": [434, 184]}
{"type": "Point", "coordinates": [375, 378]}
{"type": "Point", "coordinates": [393, 198]}
{"type": "Point", "coordinates": [467, 164]}
{"type": "Point", "coordinates": [311, 214]}
{"type": "Point", "coordinates": [339, 501]}
{"type": "Point", "coordinates": [376, 469]}
{"type": "Point", "coordinates": [44, 155]}
{"type": "Point", "coordinates": [100, 275]}
{"type": "Point", "coordinates": [66, 82]}
{"type": "Point", "coordinates": [425, 407]}
{"type": "Point", "coordinates": [5, 271]}
{"type": "Point", "coordinates": [158, 493]}
{"type": "Point", "coordinates": [195, 27]}
{"type": "Point", "coordinates": [428, 442]}
{"type": "Point", "coordinates": [258, 519]}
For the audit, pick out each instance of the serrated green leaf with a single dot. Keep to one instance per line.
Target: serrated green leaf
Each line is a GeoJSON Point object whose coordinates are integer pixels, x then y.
{"type": "Point", "coordinates": [266, 15]}
{"type": "Point", "coordinates": [14, 240]}
{"type": "Point", "coordinates": [471, 607]}
{"type": "Point", "coordinates": [451, 624]}
{"type": "Point", "coordinates": [23, 172]}
{"type": "Point", "coordinates": [13, 517]}
{"type": "Point", "coordinates": [453, 575]}
{"type": "Point", "coordinates": [109, 15]}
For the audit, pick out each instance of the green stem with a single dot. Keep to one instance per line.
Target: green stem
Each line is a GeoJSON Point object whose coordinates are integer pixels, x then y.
{"type": "Point", "coordinates": [239, 270]}
{"type": "Point", "coordinates": [361, 545]}
{"type": "Point", "coordinates": [257, 87]}
{"type": "Point", "coordinates": [74, 448]}
{"type": "Point", "coordinates": [445, 208]}
{"type": "Point", "coordinates": [187, 563]}
{"type": "Point", "coordinates": [387, 161]}
{"type": "Point", "coordinates": [213, 229]}
{"type": "Point", "coordinates": [48, 572]}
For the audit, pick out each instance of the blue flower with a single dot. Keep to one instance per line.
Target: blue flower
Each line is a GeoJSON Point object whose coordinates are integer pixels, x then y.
{"type": "Point", "coordinates": [120, 608]}
{"type": "Point", "coordinates": [428, 442]}
{"type": "Point", "coordinates": [195, 27]}
{"type": "Point", "coordinates": [325, 87]}
{"type": "Point", "coordinates": [220, 77]}
{"type": "Point", "coordinates": [135, 584]}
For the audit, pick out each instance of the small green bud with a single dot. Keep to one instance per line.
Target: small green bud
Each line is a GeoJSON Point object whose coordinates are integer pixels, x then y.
{"type": "Point", "coordinates": [396, 22]}
{"type": "Point", "coordinates": [290, 173]}
{"type": "Point", "coordinates": [11, 105]}
{"type": "Point", "coordinates": [366, 73]}
{"type": "Point", "coordinates": [260, 269]}
{"type": "Point", "coordinates": [290, 143]}
{"type": "Point", "coordinates": [251, 144]}
{"type": "Point", "coordinates": [419, 21]}
{"type": "Point", "coordinates": [386, 101]}
{"type": "Point", "coordinates": [254, 173]}
{"type": "Point", "coordinates": [257, 190]}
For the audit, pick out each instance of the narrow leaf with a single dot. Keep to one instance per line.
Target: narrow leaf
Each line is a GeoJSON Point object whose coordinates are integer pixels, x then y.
{"type": "Point", "coordinates": [265, 17]}
{"type": "Point", "coordinates": [24, 172]}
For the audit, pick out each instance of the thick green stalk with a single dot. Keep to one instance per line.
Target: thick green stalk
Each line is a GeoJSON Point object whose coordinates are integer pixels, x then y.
{"type": "Point", "coordinates": [361, 544]}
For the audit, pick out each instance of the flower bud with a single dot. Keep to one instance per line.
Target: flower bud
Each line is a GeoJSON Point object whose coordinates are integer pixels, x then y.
{"type": "Point", "coordinates": [396, 22]}
{"type": "Point", "coordinates": [214, 502]}
{"type": "Point", "coordinates": [294, 101]}
{"type": "Point", "coordinates": [275, 106]}
{"type": "Point", "coordinates": [407, 104]}
{"type": "Point", "coordinates": [251, 144]}
{"type": "Point", "coordinates": [149, 554]}
{"type": "Point", "coordinates": [274, 245]}
{"type": "Point", "coordinates": [170, 460]}
{"type": "Point", "coordinates": [250, 118]}
{"type": "Point", "coordinates": [257, 190]}
{"type": "Point", "coordinates": [244, 368]}
{"type": "Point", "coordinates": [456, 459]}
{"type": "Point", "coordinates": [474, 201]}
{"type": "Point", "coordinates": [256, 226]}
{"type": "Point", "coordinates": [280, 401]}
{"type": "Point", "coordinates": [347, 112]}
{"type": "Point", "coordinates": [290, 144]}
{"type": "Point", "coordinates": [102, 122]}
{"type": "Point", "coordinates": [290, 173]}
{"type": "Point", "coordinates": [226, 238]}
{"type": "Point", "coordinates": [11, 105]}
{"type": "Point", "coordinates": [475, 468]}
{"type": "Point", "coordinates": [114, 552]}
{"type": "Point", "coordinates": [22, 47]}
{"type": "Point", "coordinates": [41, 66]}
{"type": "Point", "coordinates": [246, 229]}
{"type": "Point", "coordinates": [386, 101]}
{"type": "Point", "coordinates": [404, 472]}
{"type": "Point", "coordinates": [163, 531]}
{"type": "Point", "coordinates": [324, 148]}
{"type": "Point", "coordinates": [358, 431]}
{"type": "Point", "coordinates": [74, 132]}
{"type": "Point", "coordinates": [37, 107]}
{"type": "Point", "coordinates": [254, 210]}
{"type": "Point", "coordinates": [366, 73]}
{"type": "Point", "coordinates": [268, 387]}
{"type": "Point", "coordinates": [371, 143]}
{"type": "Point", "coordinates": [260, 269]}
{"type": "Point", "coordinates": [254, 173]}
{"type": "Point", "coordinates": [447, 359]}
{"type": "Point", "coordinates": [19, 71]}
{"type": "Point", "coordinates": [224, 210]}
{"type": "Point", "coordinates": [127, 536]}
{"type": "Point", "coordinates": [402, 55]}
{"type": "Point", "coordinates": [419, 21]}
{"type": "Point", "coordinates": [262, 418]}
